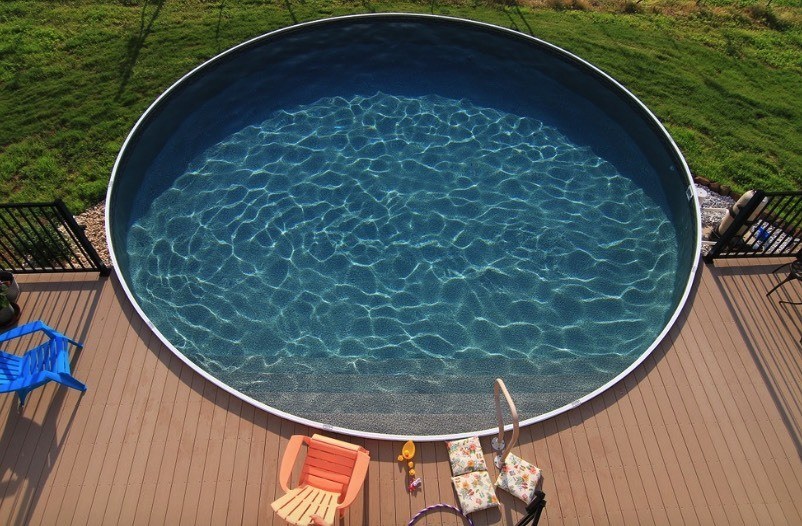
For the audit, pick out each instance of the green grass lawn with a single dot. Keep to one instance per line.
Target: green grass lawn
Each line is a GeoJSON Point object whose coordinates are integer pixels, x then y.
{"type": "Point", "coordinates": [724, 77]}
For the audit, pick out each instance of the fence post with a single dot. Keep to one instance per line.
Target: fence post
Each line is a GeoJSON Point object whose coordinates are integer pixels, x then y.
{"type": "Point", "coordinates": [737, 223]}
{"type": "Point", "coordinates": [69, 220]}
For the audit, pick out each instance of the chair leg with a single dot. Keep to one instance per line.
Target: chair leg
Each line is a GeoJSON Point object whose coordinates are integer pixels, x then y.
{"type": "Point", "coordinates": [534, 510]}
{"type": "Point", "coordinates": [781, 266]}
{"type": "Point", "coordinates": [780, 284]}
{"type": "Point", "coordinates": [70, 381]}
{"type": "Point", "coordinates": [22, 395]}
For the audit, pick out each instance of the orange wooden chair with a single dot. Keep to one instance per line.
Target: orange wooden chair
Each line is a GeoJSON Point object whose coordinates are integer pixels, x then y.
{"type": "Point", "coordinates": [333, 472]}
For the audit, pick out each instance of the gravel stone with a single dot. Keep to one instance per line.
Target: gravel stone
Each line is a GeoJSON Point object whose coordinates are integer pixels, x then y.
{"type": "Point", "coordinates": [94, 223]}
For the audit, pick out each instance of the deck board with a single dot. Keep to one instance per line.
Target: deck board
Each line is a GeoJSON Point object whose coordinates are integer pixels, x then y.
{"type": "Point", "coordinates": [705, 431]}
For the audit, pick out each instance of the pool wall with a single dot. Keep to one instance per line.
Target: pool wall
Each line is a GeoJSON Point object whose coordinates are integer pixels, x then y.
{"type": "Point", "coordinates": [543, 98]}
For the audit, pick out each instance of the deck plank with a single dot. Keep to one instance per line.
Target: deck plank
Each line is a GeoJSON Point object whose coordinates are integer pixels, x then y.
{"type": "Point", "coordinates": [154, 442]}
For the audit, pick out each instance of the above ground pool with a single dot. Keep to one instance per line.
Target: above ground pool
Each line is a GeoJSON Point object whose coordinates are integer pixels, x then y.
{"type": "Point", "coordinates": [361, 222]}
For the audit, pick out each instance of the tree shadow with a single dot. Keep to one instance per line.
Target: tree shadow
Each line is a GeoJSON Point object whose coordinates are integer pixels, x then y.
{"type": "Point", "coordinates": [524, 20]}
{"type": "Point", "coordinates": [288, 5]}
{"type": "Point", "coordinates": [220, 9]}
{"type": "Point", "coordinates": [514, 21]}
{"type": "Point", "coordinates": [136, 42]}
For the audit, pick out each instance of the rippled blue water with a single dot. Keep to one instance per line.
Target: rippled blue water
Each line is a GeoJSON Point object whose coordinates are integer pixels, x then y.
{"type": "Point", "coordinates": [404, 245]}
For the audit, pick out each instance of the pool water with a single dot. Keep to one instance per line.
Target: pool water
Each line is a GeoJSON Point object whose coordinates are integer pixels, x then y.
{"type": "Point", "coordinates": [373, 259]}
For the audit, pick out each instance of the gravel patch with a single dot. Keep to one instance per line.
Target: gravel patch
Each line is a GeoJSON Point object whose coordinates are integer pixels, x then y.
{"type": "Point", "coordinates": [714, 206]}
{"type": "Point", "coordinates": [94, 223]}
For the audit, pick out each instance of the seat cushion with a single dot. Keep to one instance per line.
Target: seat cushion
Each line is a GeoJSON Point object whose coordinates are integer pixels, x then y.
{"type": "Point", "coordinates": [466, 456]}
{"type": "Point", "coordinates": [519, 477]}
{"type": "Point", "coordinates": [475, 491]}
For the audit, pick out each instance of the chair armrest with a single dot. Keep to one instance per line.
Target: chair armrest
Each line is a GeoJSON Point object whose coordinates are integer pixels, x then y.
{"type": "Point", "coordinates": [54, 334]}
{"type": "Point", "coordinates": [288, 460]}
{"type": "Point", "coordinates": [357, 480]}
{"type": "Point", "coordinates": [77, 344]}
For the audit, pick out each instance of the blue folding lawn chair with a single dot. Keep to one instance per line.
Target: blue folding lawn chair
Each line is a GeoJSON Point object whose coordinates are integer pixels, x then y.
{"type": "Point", "coordinates": [47, 362]}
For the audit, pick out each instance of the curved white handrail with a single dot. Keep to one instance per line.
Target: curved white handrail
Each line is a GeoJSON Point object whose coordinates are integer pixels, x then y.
{"type": "Point", "coordinates": [498, 442]}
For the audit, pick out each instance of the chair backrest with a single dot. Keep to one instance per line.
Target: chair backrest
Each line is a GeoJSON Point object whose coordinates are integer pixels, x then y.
{"type": "Point", "coordinates": [329, 464]}
{"type": "Point", "coordinates": [44, 357]}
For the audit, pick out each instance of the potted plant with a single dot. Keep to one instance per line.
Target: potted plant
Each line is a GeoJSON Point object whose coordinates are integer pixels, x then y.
{"type": "Point", "coordinates": [7, 278]}
{"type": "Point", "coordinates": [8, 309]}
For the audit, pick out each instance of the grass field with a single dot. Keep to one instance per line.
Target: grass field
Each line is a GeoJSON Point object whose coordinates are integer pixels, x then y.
{"type": "Point", "coordinates": [724, 77]}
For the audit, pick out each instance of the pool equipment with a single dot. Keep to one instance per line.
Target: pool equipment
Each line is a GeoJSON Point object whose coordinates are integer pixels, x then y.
{"type": "Point", "coordinates": [733, 211]}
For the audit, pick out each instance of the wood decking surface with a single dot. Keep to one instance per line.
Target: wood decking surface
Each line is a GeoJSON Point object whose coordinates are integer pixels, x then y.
{"type": "Point", "coordinates": [706, 431]}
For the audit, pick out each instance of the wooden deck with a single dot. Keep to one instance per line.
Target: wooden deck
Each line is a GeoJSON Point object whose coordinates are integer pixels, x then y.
{"type": "Point", "coordinates": [706, 431]}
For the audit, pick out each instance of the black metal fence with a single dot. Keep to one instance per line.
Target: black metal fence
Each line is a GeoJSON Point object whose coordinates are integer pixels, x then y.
{"type": "Point", "coordinates": [765, 225]}
{"type": "Point", "coordinates": [44, 237]}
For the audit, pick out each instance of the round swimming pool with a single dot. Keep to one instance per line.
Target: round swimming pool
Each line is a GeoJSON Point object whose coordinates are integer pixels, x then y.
{"type": "Point", "coordinates": [360, 222]}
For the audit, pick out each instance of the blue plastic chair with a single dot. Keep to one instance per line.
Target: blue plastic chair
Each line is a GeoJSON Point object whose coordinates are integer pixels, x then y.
{"type": "Point", "coordinates": [46, 362]}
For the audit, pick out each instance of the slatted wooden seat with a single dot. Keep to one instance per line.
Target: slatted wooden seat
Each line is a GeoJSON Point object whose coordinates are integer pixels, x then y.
{"type": "Point", "coordinates": [331, 477]}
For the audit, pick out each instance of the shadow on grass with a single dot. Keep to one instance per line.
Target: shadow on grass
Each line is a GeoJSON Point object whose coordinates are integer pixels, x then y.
{"type": "Point", "coordinates": [514, 22]}
{"type": "Point", "coordinates": [290, 11]}
{"type": "Point", "coordinates": [220, 9]}
{"type": "Point", "coordinates": [136, 42]}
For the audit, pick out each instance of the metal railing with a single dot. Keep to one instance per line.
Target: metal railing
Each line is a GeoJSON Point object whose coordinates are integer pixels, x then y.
{"type": "Point", "coordinates": [767, 225]}
{"type": "Point", "coordinates": [44, 237]}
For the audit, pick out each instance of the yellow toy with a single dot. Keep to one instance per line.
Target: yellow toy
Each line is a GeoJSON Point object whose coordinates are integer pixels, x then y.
{"type": "Point", "coordinates": [408, 450]}
{"type": "Point", "coordinates": [407, 453]}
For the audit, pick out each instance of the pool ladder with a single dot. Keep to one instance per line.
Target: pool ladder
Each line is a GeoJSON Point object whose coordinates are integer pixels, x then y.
{"type": "Point", "coordinates": [499, 445]}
